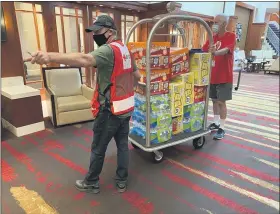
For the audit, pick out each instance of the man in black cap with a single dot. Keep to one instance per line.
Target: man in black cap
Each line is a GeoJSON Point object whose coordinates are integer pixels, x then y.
{"type": "Point", "coordinates": [113, 100]}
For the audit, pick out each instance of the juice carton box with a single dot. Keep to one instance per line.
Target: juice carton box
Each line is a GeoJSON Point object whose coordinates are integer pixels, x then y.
{"type": "Point", "coordinates": [188, 81]}
{"type": "Point", "coordinates": [157, 88]}
{"type": "Point", "coordinates": [179, 62]}
{"type": "Point", "coordinates": [200, 93]}
{"type": "Point", "coordinates": [156, 75]}
{"type": "Point", "coordinates": [176, 91]}
{"type": "Point", "coordinates": [200, 65]}
{"type": "Point", "coordinates": [160, 53]}
{"type": "Point", "coordinates": [177, 125]}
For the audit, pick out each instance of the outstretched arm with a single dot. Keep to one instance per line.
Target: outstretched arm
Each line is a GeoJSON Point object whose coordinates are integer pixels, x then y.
{"type": "Point", "coordinates": [72, 59]}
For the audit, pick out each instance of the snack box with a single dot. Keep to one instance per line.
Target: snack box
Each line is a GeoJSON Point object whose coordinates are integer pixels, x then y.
{"type": "Point", "coordinates": [160, 53]}
{"type": "Point", "coordinates": [188, 81]}
{"type": "Point", "coordinates": [156, 88]}
{"type": "Point", "coordinates": [200, 65]}
{"type": "Point", "coordinates": [177, 125]}
{"type": "Point", "coordinates": [200, 93]}
{"type": "Point", "coordinates": [176, 91]}
{"type": "Point", "coordinates": [179, 62]}
{"type": "Point", "coordinates": [156, 75]}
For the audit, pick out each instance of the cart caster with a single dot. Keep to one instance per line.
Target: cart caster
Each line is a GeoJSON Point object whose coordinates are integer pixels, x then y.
{"type": "Point", "coordinates": [236, 88]}
{"type": "Point", "coordinates": [134, 146]}
{"type": "Point", "coordinates": [157, 156]}
{"type": "Point", "coordinates": [198, 143]}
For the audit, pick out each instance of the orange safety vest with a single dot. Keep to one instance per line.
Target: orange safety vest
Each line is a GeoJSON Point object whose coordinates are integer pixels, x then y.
{"type": "Point", "coordinates": [122, 83]}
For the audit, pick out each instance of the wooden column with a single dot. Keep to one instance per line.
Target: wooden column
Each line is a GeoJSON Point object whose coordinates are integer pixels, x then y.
{"type": "Point", "coordinates": [11, 56]}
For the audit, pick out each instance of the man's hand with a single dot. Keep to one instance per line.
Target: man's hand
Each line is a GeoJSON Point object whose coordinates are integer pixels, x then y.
{"type": "Point", "coordinates": [212, 49]}
{"type": "Point", "coordinates": [39, 57]}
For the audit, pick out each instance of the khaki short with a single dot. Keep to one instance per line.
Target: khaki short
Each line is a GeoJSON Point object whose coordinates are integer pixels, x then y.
{"type": "Point", "coordinates": [221, 92]}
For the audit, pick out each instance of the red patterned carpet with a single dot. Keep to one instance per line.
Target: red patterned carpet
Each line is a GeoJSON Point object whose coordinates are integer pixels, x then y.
{"type": "Point", "coordinates": [239, 174]}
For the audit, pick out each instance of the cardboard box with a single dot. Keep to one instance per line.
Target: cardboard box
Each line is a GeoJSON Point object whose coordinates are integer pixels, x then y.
{"type": "Point", "coordinates": [177, 125]}
{"type": "Point", "coordinates": [200, 65]}
{"type": "Point", "coordinates": [157, 75]}
{"type": "Point", "coordinates": [156, 88]}
{"type": "Point", "coordinates": [176, 91]}
{"type": "Point", "coordinates": [160, 53]}
{"type": "Point", "coordinates": [199, 93]}
{"type": "Point", "coordinates": [194, 110]}
{"type": "Point", "coordinates": [188, 81]}
{"type": "Point", "coordinates": [179, 62]}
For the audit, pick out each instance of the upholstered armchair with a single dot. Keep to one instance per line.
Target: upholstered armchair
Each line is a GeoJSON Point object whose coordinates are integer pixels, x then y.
{"type": "Point", "coordinates": [68, 100]}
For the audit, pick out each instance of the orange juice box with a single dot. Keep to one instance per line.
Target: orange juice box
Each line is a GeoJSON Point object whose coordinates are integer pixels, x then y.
{"type": "Point", "coordinates": [179, 62]}
{"type": "Point", "coordinates": [176, 91]}
{"type": "Point", "coordinates": [160, 53]}
{"type": "Point", "coordinates": [200, 65]}
{"type": "Point", "coordinates": [188, 81]}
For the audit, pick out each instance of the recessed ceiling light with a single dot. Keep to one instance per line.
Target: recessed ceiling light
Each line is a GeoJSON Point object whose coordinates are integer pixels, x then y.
{"type": "Point", "coordinates": [112, 7]}
{"type": "Point", "coordinates": [129, 9]}
{"type": "Point", "coordinates": [101, 5]}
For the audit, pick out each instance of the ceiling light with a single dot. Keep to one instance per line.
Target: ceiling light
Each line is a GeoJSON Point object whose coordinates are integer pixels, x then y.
{"type": "Point", "coordinates": [101, 5]}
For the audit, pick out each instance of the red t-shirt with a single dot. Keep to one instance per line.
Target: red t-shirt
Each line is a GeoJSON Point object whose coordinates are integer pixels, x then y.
{"type": "Point", "coordinates": [222, 72]}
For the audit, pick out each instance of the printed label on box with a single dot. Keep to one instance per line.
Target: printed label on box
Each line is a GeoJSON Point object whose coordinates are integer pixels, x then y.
{"type": "Point", "coordinates": [200, 93]}
{"type": "Point", "coordinates": [160, 52]}
{"type": "Point", "coordinates": [200, 65]}
{"type": "Point", "coordinates": [179, 62]}
{"type": "Point", "coordinates": [156, 88]}
{"type": "Point", "coordinates": [156, 75]}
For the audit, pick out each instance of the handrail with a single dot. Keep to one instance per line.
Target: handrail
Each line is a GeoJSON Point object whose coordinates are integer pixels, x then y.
{"type": "Point", "coordinates": [273, 39]}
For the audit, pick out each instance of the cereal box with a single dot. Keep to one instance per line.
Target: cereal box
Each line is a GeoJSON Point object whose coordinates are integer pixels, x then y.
{"type": "Point", "coordinates": [156, 75]}
{"type": "Point", "coordinates": [176, 91]}
{"type": "Point", "coordinates": [179, 61]}
{"type": "Point", "coordinates": [200, 65]}
{"type": "Point", "coordinates": [156, 88]}
{"type": "Point", "coordinates": [199, 93]}
{"type": "Point", "coordinates": [160, 53]}
{"type": "Point", "coordinates": [177, 125]}
{"type": "Point", "coordinates": [188, 81]}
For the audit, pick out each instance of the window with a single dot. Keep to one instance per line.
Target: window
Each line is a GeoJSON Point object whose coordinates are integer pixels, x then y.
{"type": "Point", "coordinates": [32, 38]}
{"type": "Point", "coordinates": [127, 22]}
{"type": "Point", "coordinates": [70, 31]}
{"type": "Point", "coordinates": [94, 15]}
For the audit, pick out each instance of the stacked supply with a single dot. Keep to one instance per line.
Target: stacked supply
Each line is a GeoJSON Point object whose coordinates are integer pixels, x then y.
{"type": "Point", "coordinates": [160, 118]}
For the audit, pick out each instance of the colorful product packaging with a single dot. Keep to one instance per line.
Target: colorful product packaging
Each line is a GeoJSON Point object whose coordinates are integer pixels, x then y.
{"type": "Point", "coordinates": [188, 81]}
{"type": "Point", "coordinates": [196, 123]}
{"type": "Point", "coordinates": [200, 65]}
{"type": "Point", "coordinates": [200, 93]}
{"type": "Point", "coordinates": [177, 125]}
{"type": "Point", "coordinates": [176, 91]}
{"type": "Point", "coordinates": [156, 75]}
{"type": "Point", "coordinates": [196, 109]}
{"type": "Point", "coordinates": [179, 62]}
{"type": "Point", "coordinates": [160, 53]}
{"type": "Point", "coordinates": [157, 88]}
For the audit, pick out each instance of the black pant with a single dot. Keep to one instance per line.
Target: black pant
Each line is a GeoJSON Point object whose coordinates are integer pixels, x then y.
{"type": "Point", "coordinates": [106, 126]}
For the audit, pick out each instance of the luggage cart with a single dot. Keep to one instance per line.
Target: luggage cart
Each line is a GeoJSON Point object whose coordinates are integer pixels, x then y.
{"type": "Point", "coordinates": [197, 137]}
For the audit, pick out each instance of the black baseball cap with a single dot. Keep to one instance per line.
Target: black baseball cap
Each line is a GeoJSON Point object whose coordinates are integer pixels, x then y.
{"type": "Point", "coordinates": [101, 22]}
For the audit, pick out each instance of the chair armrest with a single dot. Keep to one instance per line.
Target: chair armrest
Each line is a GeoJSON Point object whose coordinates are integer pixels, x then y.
{"type": "Point", "coordinates": [87, 92]}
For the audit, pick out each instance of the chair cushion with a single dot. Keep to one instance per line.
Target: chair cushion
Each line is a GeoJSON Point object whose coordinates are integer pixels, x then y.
{"type": "Point", "coordinates": [64, 81]}
{"type": "Point", "coordinates": [73, 103]}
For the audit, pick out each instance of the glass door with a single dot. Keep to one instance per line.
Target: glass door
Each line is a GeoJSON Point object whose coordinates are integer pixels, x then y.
{"type": "Point", "coordinates": [32, 38]}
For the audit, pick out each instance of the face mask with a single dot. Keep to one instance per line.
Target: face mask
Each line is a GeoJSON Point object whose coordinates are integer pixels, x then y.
{"type": "Point", "coordinates": [215, 28]}
{"type": "Point", "coordinates": [100, 39]}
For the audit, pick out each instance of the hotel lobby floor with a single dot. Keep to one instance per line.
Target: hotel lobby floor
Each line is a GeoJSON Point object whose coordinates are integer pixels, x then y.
{"type": "Point", "coordinates": [239, 174]}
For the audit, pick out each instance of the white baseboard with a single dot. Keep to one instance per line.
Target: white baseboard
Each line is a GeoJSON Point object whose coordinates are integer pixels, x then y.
{"type": "Point", "coordinates": [24, 130]}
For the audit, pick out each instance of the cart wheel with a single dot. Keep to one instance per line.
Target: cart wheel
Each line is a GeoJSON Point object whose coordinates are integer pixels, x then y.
{"type": "Point", "coordinates": [157, 156]}
{"type": "Point", "coordinates": [198, 143]}
{"type": "Point", "coordinates": [134, 146]}
{"type": "Point", "coordinates": [236, 88]}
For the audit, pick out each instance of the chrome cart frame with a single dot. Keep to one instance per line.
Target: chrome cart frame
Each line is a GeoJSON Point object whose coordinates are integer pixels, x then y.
{"type": "Point", "coordinates": [197, 137]}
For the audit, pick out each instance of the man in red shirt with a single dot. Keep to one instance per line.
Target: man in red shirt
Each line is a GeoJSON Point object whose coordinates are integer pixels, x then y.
{"type": "Point", "coordinates": [222, 73]}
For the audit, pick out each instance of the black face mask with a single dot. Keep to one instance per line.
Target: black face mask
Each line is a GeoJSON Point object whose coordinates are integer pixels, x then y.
{"type": "Point", "coordinates": [100, 39]}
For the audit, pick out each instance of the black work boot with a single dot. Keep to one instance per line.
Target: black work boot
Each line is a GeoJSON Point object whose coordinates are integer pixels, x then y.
{"type": "Point", "coordinates": [82, 186]}
{"type": "Point", "coordinates": [121, 187]}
